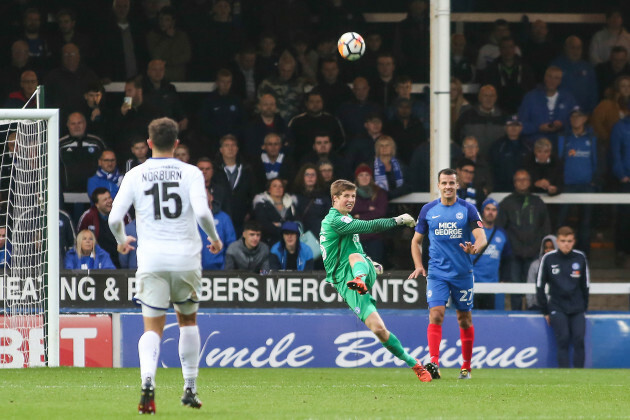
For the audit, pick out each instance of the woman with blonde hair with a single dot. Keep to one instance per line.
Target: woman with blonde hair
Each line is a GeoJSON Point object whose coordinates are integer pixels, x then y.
{"type": "Point", "coordinates": [389, 172]}
{"type": "Point", "coordinates": [87, 255]}
{"type": "Point", "coordinates": [459, 104]}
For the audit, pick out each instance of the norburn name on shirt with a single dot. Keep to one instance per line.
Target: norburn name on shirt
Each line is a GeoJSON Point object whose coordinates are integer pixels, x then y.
{"type": "Point", "coordinates": [162, 175]}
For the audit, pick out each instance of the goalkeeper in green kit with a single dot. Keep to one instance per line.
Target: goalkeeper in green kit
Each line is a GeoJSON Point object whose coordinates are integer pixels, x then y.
{"type": "Point", "coordinates": [352, 272]}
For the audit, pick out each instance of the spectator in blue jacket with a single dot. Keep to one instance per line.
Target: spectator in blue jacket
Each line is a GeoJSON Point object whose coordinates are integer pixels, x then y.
{"type": "Point", "coordinates": [492, 265]}
{"type": "Point", "coordinates": [578, 75]}
{"type": "Point", "coordinates": [107, 175]}
{"type": "Point", "coordinates": [225, 229]}
{"type": "Point", "coordinates": [577, 151]}
{"type": "Point", "coordinates": [130, 259]}
{"type": "Point", "coordinates": [87, 255]}
{"type": "Point", "coordinates": [5, 248]}
{"type": "Point", "coordinates": [620, 152]}
{"type": "Point", "coordinates": [289, 253]}
{"type": "Point", "coordinates": [545, 110]}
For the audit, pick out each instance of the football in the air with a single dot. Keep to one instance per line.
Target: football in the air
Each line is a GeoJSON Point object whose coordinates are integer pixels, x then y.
{"type": "Point", "coordinates": [351, 46]}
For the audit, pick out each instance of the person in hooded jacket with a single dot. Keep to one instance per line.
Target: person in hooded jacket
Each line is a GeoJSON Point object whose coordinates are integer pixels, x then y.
{"type": "Point", "coordinates": [87, 255]}
{"type": "Point", "coordinates": [289, 253]}
{"type": "Point", "coordinates": [547, 244]}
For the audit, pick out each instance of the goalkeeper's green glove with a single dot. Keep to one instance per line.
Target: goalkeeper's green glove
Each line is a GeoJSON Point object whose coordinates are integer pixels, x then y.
{"type": "Point", "coordinates": [405, 219]}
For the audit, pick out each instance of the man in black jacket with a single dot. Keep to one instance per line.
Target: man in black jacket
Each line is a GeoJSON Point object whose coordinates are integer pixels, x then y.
{"type": "Point", "coordinates": [525, 218]}
{"type": "Point", "coordinates": [567, 273]}
{"type": "Point", "coordinates": [238, 177]}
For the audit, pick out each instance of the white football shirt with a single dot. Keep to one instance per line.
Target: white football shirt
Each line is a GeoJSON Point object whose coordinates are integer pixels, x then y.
{"type": "Point", "coordinates": [169, 198]}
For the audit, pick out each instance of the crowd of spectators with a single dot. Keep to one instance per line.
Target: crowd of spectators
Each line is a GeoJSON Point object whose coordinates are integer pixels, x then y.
{"type": "Point", "coordinates": [288, 116]}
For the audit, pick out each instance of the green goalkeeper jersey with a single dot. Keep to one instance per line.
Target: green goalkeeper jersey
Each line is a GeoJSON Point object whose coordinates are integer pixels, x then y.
{"type": "Point", "coordinates": [339, 237]}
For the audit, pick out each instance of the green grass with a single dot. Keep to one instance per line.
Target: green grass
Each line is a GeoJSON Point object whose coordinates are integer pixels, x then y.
{"type": "Point", "coordinates": [76, 393]}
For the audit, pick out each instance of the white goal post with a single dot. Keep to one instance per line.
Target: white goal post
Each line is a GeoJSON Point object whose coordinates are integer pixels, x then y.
{"type": "Point", "coordinates": [29, 287]}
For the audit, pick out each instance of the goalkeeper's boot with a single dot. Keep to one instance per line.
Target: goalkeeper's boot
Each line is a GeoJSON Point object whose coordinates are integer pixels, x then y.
{"type": "Point", "coordinates": [464, 374]}
{"type": "Point", "coordinates": [434, 370]}
{"type": "Point", "coordinates": [147, 399]}
{"type": "Point", "coordinates": [421, 372]}
{"type": "Point", "coordinates": [191, 399]}
{"type": "Point", "coordinates": [358, 284]}
{"type": "Point", "coordinates": [377, 266]}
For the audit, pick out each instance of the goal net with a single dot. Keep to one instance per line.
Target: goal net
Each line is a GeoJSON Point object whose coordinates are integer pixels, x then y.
{"type": "Point", "coordinates": [29, 238]}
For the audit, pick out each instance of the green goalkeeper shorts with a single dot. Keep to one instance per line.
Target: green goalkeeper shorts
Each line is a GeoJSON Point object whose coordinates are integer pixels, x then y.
{"type": "Point", "coordinates": [361, 305]}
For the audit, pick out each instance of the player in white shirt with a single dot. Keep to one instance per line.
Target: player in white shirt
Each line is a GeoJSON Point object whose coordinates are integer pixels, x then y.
{"type": "Point", "coordinates": [169, 197]}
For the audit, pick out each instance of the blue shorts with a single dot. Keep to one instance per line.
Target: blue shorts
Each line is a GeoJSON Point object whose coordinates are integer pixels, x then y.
{"type": "Point", "coordinates": [459, 289]}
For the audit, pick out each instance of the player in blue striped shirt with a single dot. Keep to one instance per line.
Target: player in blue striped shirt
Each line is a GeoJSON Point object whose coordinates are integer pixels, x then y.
{"type": "Point", "coordinates": [450, 223]}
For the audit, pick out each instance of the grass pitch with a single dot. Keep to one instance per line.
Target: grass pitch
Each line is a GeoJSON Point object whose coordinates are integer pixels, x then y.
{"type": "Point", "coordinates": [372, 393]}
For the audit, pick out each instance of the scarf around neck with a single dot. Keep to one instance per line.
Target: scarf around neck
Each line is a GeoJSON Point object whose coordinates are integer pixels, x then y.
{"type": "Point", "coordinates": [365, 192]}
{"type": "Point", "coordinates": [380, 174]}
{"type": "Point", "coordinates": [114, 177]}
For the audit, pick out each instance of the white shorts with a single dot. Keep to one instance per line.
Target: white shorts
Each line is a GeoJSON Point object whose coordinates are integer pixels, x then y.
{"type": "Point", "coordinates": [156, 291]}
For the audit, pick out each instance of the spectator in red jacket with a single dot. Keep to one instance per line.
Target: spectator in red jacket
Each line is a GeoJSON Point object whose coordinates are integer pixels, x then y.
{"type": "Point", "coordinates": [371, 203]}
{"type": "Point", "coordinates": [19, 98]}
{"type": "Point", "coordinates": [95, 220]}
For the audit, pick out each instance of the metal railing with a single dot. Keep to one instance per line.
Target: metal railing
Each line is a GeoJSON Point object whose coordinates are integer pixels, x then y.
{"type": "Point", "coordinates": [569, 198]}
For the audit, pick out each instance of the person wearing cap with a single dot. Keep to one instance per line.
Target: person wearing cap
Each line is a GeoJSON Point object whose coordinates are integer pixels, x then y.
{"type": "Point", "coordinates": [508, 154]}
{"type": "Point", "coordinates": [492, 265]}
{"type": "Point", "coordinates": [577, 151]}
{"type": "Point", "coordinates": [371, 203]}
{"type": "Point", "coordinates": [289, 253]}
{"type": "Point", "coordinates": [545, 110]}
